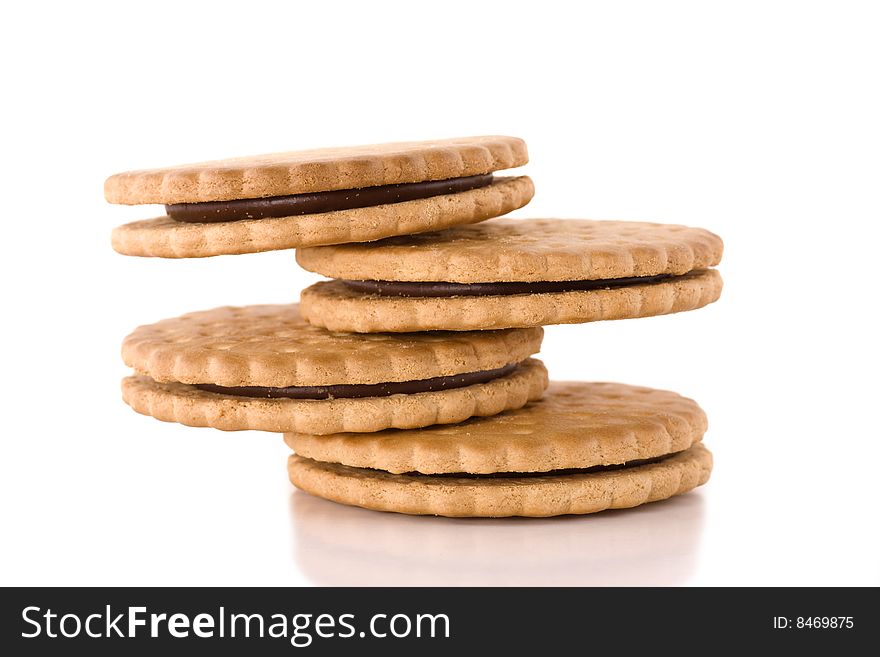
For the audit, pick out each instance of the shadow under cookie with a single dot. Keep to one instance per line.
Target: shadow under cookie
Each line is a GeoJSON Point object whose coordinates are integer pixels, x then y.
{"type": "Point", "coordinates": [652, 545]}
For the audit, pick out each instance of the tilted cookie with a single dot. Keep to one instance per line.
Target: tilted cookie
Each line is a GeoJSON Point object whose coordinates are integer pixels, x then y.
{"type": "Point", "coordinates": [584, 447]}
{"type": "Point", "coordinates": [265, 368]}
{"type": "Point", "coordinates": [512, 273]}
{"type": "Point", "coordinates": [316, 197]}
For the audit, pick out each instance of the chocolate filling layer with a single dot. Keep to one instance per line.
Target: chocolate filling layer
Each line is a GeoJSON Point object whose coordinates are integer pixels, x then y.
{"type": "Point", "coordinates": [552, 473]}
{"type": "Point", "coordinates": [297, 204]}
{"type": "Point", "coordinates": [443, 289]}
{"type": "Point", "coordinates": [351, 391]}
{"type": "Point", "coordinates": [521, 475]}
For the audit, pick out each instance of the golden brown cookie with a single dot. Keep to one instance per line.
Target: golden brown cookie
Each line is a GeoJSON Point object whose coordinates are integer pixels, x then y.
{"type": "Point", "coordinates": [512, 273]}
{"type": "Point", "coordinates": [584, 447]}
{"type": "Point", "coordinates": [333, 305]}
{"type": "Point", "coordinates": [317, 197]}
{"type": "Point", "coordinates": [575, 425]}
{"type": "Point", "coordinates": [530, 495]}
{"type": "Point", "coordinates": [264, 367]}
{"type": "Point", "coordinates": [186, 404]}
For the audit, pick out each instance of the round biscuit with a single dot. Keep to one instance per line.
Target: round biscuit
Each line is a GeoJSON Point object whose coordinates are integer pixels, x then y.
{"type": "Point", "coordinates": [186, 404]}
{"type": "Point", "coordinates": [523, 250]}
{"type": "Point", "coordinates": [271, 345]}
{"type": "Point", "coordinates": [164, 237]}
{"type": "Point", "coordinates": [317, 170]}
{"type": "Point", "coordinates": [575, 425]}
{"type": "Point", "coordinates": [532, 496]}
{"type": "Point", "coordinates": [333, 305]}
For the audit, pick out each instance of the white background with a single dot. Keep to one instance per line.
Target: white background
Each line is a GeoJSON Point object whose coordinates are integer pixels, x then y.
{"type": "Point", "coordinates": [757, 120]}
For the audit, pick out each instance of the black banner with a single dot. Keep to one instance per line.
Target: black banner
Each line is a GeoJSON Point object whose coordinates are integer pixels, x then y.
{"type": "Point", "coordinates": [432, 621]}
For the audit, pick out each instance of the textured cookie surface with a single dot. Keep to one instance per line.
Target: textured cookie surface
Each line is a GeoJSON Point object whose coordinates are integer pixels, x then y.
{"type": "Point", "coordinates": [523, 250]}
{"type": "Point", "coordinates": [273, 346]}
{"type": "Point", "coordinates": [535, 496]}
{"type": "Point", "coordinates": [333, 305]}
{"type": "Point", "coordinates": [326, 169]}
{"type": "Point", "coordinates": [185, 404]}
{"type": "Point", "coordinates": [575, 425]}
{"type": "Point", "coordinates": [166, 238]}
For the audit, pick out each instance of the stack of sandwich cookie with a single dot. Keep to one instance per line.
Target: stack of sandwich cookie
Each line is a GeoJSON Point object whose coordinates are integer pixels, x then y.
{"type": "Point", "coordinates": [325, 196]}
{"type": "Point", "coordinates": [582, 448]}
{"type": "Point", "coordinates": [407, 384]}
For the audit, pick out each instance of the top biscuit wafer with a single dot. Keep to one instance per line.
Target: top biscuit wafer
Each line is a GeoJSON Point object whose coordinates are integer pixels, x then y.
{"type": "Point", "coordinates": [576, 425]}
{"type": "Point", "coordinates": [317, 170]}
{"type": "Point", "coordinates": [527, 250]}
{"type": "Point", "coordinates": [273, 346]}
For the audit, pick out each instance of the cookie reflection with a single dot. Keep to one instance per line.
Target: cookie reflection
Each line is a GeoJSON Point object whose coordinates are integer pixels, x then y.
{"type": "Point", "coordinates": [653, 545]}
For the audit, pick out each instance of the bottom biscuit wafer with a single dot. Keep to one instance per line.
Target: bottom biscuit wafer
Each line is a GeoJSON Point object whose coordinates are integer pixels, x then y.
{"type": "Point", "coordinates": [335, 306]}
{"type": "Point", "coordinates": [539, 495]}
{"type": "Point", "coordinates": [186, 404]}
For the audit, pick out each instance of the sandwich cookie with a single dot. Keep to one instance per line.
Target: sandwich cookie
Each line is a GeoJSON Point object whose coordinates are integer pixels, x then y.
{"type": "Point", "coordinates": [316, 197]}
{"type": "Point", "coordinates": [265, 368]}
{"type": "Point", "coordinates": [583, 448]}
{"type": "Point", "coordinates": [512, 273]}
